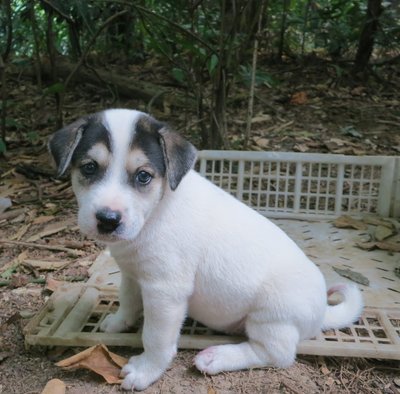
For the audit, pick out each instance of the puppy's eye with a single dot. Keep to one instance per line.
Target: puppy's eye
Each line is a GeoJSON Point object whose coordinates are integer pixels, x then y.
{"type": "Point", "coordinates": [89, 168]}
{"type": "Point", "coordinates": [143, 177]}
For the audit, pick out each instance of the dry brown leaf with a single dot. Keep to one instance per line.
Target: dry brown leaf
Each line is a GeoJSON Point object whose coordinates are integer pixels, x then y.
{"type": "Point", "coordinates": [53, 284]}
{"type": "Point", "coordinates": [346, 221]}
{"type": "Point", "coordinates": [262, 142]}
{"type": "Point", "coordinates": [43, 219]}
{"type": "Point", "coordinates": [384, 245]}
{"type": "Point", "coordinates": [301, 148]}
{"type": "Point", "coordinates": [47, 265]}
{"type": "Point", "coordinates": [99, 360]}
{"type": "Point", "coordinates": [383, 232]}
{"type": "Point", "coordinates": [299, 98]}
{"type": "Point", "coordinates": [211, 390]}
{"type": "Point", "coordinates": [21, 232]}
{"type": "Point", "coordinates": [49, 230]}
{"type": "Point", "coordinates": [7, 269]}
{"type": "Point", "coordinates": [376, 221]}
{"type": "Point", "coordinates": [324, 369]}
{"type": "Point", "coordinates": [54, 386]}
{"type": "Point", "coordinates": [352, 275]}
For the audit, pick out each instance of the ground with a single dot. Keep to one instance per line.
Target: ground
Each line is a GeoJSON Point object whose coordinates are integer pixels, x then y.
{"type": "Point", "coordinates": [310, 108]}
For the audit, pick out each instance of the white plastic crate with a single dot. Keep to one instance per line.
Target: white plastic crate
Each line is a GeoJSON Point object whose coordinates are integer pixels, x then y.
{"type": "Point", "coordinates": [307, 186]}
{"type": "Point", "coordinates": [314, 188]}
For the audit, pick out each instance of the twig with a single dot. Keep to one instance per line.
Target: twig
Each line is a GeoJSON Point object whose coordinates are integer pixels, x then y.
{"type": "Point", "coordinates": [290, 387]}
{"type": "Point", "coordinates": [40, 246]}
{"type": "Point", "coordinates": [85, 53]}
{"type": "Point", "coordinates": [34, 280]}
{"type": "Point", "coordinates": [43, 281]}
{"type": "Point", "coordinates": [3, 98]}
{"type": "Point", "coordinates": [12, 214]}
{"type": "Point", "coordinates": [253, 79]}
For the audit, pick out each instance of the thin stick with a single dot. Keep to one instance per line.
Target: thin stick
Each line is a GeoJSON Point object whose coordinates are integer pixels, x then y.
{"type": "Point", "coordinates": [82, 59]}
{"type": "Point", "coordinates": [40, 246]}
{"type": "Point", "coordinates": [253, 79]}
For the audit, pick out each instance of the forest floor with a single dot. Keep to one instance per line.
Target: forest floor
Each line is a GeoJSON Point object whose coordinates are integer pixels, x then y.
{"type": "Point", "coordinates": [310, 108]}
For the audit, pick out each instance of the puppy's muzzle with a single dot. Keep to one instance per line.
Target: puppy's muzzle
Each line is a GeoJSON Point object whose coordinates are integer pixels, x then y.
{"type": "Point", "coordinates": [107, 220]}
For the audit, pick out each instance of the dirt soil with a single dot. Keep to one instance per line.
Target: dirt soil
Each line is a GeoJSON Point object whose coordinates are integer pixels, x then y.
{"type": "Point", "coordinates": [309, 109]}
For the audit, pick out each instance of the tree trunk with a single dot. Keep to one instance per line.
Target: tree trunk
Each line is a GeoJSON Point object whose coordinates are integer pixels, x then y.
{"type": "Point", "coordinates": [366, 43]}
{"type": "Point", "coordinates": [9, 28]}
{"type": "Point", "coordinates": [281, 46]}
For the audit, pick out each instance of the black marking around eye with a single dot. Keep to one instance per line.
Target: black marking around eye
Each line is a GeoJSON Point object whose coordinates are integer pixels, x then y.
{"type": "Point", "coordinates": [95, 132]}
{"type": "Point", "coordinates": [147, 138]}
{"type": "Point", "coordinates": [87, 179]}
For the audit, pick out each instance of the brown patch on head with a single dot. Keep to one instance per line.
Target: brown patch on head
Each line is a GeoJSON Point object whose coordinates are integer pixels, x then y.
{"type": "Point", "coordinates": [100, 154]}
{"type": "Point", "coordinates": [138, 160]}
{"type": "Point", "coordinates": [147, 140]}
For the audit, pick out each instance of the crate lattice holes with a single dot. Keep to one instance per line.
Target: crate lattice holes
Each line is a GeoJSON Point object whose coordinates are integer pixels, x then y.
{"type": "Point", "coordinates": [314, 188]}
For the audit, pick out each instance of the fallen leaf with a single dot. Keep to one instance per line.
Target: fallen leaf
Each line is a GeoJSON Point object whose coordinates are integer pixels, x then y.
{"type": "Point", "coordinates": [383, 232]}
{"type": "Point", "coordinates": [49, 230]}
{"type": "Point", "coordinates": [20, 233]}
{"type": "Point", "coordinates": [54, 386]}
{"type": "Point", "coordinates": [330, 381]}
{"type": "Point", "coordinates": [301, 148]}
{"type": "Point", "coordinates": [352, 275]}
{"type": "Point", "coordinates": [211, 390]}
{"type": "Point", "coordinates": [384, 245]}
{"type": "Point", "coordinates": [350, 130]}
{"type": "Point", "coordinates": [357, 91]}
{"type": "Point", "coordinates": [53, 284]}
{"type": "Point", "coordinates": [43, 219]}
{"type": "Point", "coordinates": [8, 269]}
{"type": "Point", "coordinates": [262, 142]}
{"type": "Point", "coordinates": [99, 360]}
{"type": "Point", "coordinates": [47, 265]}
{"type": "Point", "coordinates": [378, 221]}
{"type": "Point", "coordinates": [346, 221]}
{"type": "Point", "coordinates": [299, 98]}
{"type": "Point", "coordinates": [324, 369]}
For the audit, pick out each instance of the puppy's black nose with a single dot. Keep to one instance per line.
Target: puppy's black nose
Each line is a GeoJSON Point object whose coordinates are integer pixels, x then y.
{"type": "Point", "coordinates": [108, 220]}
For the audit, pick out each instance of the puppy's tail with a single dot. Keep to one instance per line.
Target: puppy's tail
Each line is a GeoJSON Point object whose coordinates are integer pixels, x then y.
{"type": "Point", "coordinates": [348, 311]}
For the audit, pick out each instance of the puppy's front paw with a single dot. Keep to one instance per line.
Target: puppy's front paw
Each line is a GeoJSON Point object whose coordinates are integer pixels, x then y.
{"type": "Point", "coordinates": [139, 376]}
{"type": "Point", "coordinates": [210, 360]}
{"type": "Point", "coordinates": [115, 322]}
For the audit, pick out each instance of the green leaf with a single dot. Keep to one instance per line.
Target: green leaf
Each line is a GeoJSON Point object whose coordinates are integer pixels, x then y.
{"type": "Point", "coordinates": [57, 87]}
{"type": "Point", "coordinates": [178, 74]}
{"type": "Point", "coordinates": [33, 136]}
{"type": "Point", "coordinates": [213, 62]}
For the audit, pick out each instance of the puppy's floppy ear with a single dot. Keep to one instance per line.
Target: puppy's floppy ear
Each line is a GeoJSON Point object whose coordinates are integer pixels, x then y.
{"type": "Point", "coordinates": [179, 156]}
{"type": "Point", "coordinates": [63, 142]}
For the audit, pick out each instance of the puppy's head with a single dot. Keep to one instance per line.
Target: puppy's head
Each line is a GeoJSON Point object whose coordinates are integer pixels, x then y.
{"type": "Point", "coordinates": [122, 161]}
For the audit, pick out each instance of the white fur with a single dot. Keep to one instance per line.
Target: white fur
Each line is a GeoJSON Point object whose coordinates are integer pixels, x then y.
{"type": "Point", "coordinates": [198, 251]}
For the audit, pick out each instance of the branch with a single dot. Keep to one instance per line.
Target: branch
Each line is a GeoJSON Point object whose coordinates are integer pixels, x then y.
{"type": "Point", "coordinates": [85, 53]}
{"type": "Point", "coordinates": [253, 79]}
{"type": "Point", "coordinates": [40, 246]}
{"type": "Point", "coordinates": [165, 19]}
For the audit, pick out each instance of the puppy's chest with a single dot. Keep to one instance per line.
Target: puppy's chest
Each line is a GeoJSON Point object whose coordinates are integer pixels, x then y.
{"type": "Point", "coordinates": [137, 262]}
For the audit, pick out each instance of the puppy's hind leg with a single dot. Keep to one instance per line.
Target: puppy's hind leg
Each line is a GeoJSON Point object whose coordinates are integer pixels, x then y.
{"type": "Point", "coordinates": [269, 344]}
{"type": "Point", "coordinates": [130, 306]}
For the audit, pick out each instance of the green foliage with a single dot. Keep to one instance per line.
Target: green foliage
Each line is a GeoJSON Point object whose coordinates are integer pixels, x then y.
{"type": "Point", "coordinates": [261, 77]}
{"type": "Point", "coordinates": [57, 87]}
{"type": "Point", "coordinates": [190, 36]}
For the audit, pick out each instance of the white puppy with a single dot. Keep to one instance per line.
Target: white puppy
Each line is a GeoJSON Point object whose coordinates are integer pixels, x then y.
{"type": "Point", "coordinates": [185, 247]}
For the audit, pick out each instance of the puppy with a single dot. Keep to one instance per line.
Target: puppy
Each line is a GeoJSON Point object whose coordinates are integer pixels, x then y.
{"type": "Point", "coordinates": [185, 247]}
